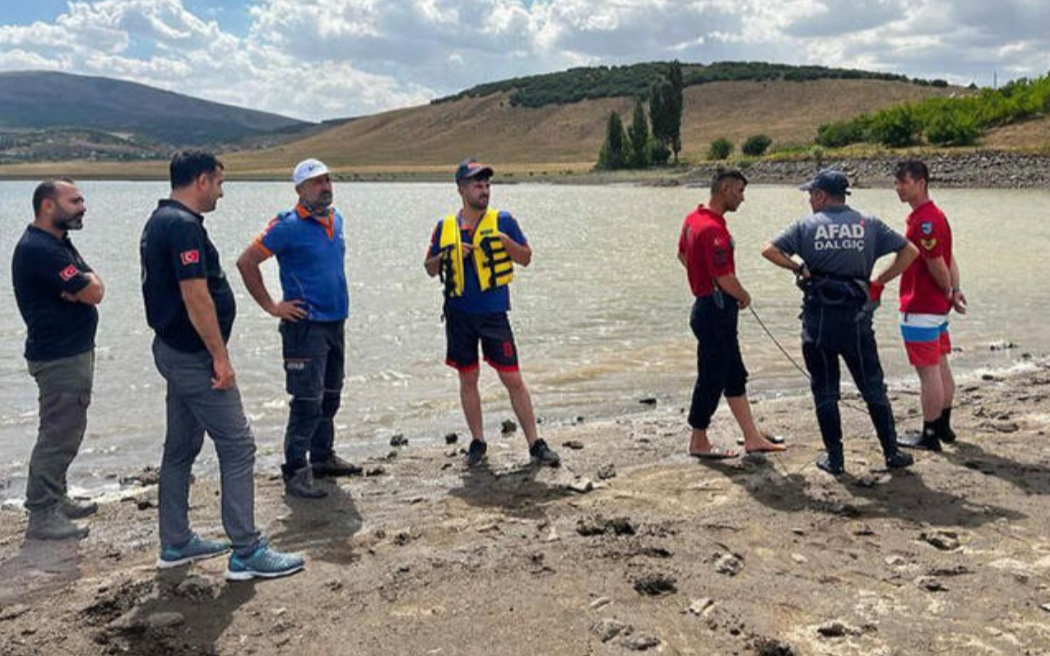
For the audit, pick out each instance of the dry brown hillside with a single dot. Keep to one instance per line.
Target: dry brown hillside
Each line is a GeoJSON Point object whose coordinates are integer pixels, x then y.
{"type": "Point", "coordinates": [569, 136]}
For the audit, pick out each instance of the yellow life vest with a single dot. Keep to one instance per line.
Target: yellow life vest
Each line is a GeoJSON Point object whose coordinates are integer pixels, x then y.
{"type": "Point", "coordinates": [491, 259]}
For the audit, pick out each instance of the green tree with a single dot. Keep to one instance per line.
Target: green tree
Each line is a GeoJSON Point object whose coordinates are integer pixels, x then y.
{"type": "Point", "coordinates": [638, 138]}
{"type": "Point", "coordinates": [665, 109]}
{"type": "Point", "coordinates": [658, 152]}
{"type": "Point", "coordinates": [613, 154]}
{"type": "Point", "coordinates": [756, 145]}
{"type": "Point", "coordinates": [895, 127]}
{"type": "Point", "coordinates": [720, 148]}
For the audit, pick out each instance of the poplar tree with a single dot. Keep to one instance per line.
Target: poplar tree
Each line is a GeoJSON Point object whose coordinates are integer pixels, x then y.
{"type": "Point", "coordinates": [638, 137]}
{"type": "Point", "coordinates": [613, 154]}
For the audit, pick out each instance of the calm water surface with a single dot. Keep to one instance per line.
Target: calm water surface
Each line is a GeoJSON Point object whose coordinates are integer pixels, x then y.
{"type": "Point", "coordinates": [601, 315]}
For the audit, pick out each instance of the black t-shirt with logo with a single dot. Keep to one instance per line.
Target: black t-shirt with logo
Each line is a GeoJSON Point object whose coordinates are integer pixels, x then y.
{"type": "Point", "coordinates": [43, 268]}
{"type": "Point", "coordinates": [175, 247]}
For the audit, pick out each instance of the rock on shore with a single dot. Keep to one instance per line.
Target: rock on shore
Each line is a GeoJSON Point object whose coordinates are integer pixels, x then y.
{"type": "Point", "coordinates": [971, 170]}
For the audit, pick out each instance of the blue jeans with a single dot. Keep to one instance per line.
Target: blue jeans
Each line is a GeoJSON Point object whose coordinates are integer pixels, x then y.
{"type": "Point", "coordinates": [719, 366]}
{"type": "Point", "coordinates": [314, 362]}
{"type": "Point", "coordinates": [194, 408]}
{"type": "Point", "coordinates": [842, 332]}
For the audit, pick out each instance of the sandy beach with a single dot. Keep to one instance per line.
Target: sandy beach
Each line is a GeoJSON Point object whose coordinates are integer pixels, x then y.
{"type": "Point", "coordinates": [632, 546]}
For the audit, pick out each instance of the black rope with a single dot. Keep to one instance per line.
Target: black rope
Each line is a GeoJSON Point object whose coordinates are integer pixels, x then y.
{"type": "Point", "coordinates": [792, 360]}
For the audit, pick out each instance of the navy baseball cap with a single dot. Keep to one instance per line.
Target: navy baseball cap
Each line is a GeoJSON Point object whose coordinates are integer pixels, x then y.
{"type": "Point", "coordinates": [472, 168]}
{"type": "Point", "coordinates": [832, 181]}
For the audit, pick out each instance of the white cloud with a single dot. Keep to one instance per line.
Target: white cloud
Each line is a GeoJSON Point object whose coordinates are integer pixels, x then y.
{"type": "Point", "coordinates": [320, 59]}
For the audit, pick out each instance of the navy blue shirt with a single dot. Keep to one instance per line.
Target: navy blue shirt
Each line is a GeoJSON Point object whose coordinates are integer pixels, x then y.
{"type": "Point", "coordinates": [175, 247]}
{"type": "Point", "coordinates": [43, 268]}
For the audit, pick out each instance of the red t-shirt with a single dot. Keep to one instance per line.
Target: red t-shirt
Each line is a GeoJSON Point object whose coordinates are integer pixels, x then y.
{"type": "Point", "coordinates": [708, 249]}
{"type": "Point", "coordinates": [928, 229]}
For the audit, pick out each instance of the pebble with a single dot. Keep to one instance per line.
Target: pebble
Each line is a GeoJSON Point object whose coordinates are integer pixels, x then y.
{"type": "Point", "coordinates": [575, 445]}
{"type": "Point", "coordinates": [833, 629]}
{"type": "Point", "coordinates": [582, 485]}
{"type": "Point", "coordinates": [398, 440]}
{"type": "Point", "coordinates": [700, 606]}
{"type": "Point", "coordinates": [729, 564]}
{"type": "Point", "coordinates": [655, 585]}
{"type": "Point", "coordinates": [451, 438]}
{"type": "Point", "coordinates": [943, 540]}
{"type": "Point", "coordinates": [640, 642]}
{"type": "Point", "coordinates": [600, 602]}
{"type": "Point", "coordinates": [607, 472]}
{"type": "Point", "coordinates": [608, 628]}
{"type": "Point", "coordinates": [508, 427]}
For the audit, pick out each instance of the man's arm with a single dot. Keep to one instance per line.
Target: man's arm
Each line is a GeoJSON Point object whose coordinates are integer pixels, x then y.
{"type": "Point", "coordinates": [730, 284]}
{"type": "Point", "coordinates": [201, 310]}
{"type": "Point", "coordinates": [940, 273]}
{"type": "Point", "coordinates": [432, 263]}
{"type": "Point", "coordinates": [519, 253]}
{"type": "Point", "coordinates": [958, 298]}
{"type": "Point", "coordinates": [901, 261]}
{"type": "Point", "coordinates": [779, 258]}
{"type": "Point", "coordinates": [248, 264]}
{"type": "Point", "coordinates": [91, 294]}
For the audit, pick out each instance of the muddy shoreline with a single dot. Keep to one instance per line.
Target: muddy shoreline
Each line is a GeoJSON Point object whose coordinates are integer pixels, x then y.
{"type": "Point", "coordinates": [630, 547]}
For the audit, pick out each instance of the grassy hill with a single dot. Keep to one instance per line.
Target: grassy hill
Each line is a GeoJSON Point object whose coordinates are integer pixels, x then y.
{"type": "Point", "coordinates": [568, 136]}
{"type": "Point", "coordinates": [38, 100]}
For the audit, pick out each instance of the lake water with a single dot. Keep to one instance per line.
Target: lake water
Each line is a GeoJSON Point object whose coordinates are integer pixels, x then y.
{"type": "Point", "coordinates": [601, 315]}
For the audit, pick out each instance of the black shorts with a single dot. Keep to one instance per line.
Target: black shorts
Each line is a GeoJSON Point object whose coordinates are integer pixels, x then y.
{"type": "Point", "coordinates": [463, 331]}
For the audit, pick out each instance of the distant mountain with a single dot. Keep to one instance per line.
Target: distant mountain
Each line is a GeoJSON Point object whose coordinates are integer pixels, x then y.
{"type": "Point", "coordinates": [38, 100]}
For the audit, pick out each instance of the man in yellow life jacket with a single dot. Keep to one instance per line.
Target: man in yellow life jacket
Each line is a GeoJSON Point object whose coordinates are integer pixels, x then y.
{"type": "Point", "coordinates": [474, 253]}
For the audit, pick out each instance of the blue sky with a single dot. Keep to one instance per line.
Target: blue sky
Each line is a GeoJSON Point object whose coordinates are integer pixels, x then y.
{"type": "Point", "coordinates": [320, 59]}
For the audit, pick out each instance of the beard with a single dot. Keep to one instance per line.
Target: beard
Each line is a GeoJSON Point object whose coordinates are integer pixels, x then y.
{"type": "Point", "coordinates": [319, 205]}
{"type": "Point", "coordinates": [71, 221]}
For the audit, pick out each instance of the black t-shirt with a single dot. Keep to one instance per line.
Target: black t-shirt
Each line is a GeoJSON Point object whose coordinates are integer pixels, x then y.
{"type": "Point", "coordinates": [175, 247]}
{"type": "Point", "coordinates": [43, 267]}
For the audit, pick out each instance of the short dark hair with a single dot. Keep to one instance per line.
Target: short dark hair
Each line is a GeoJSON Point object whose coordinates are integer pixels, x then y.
{"type": "Point", "coordinates": [721, 175]}
{"type": "Point", "coordinates": [47, 190]}
{"type": "Point", "coordinates": [188, 165]}
{"type": "Point", "coordinates": [914, 168]}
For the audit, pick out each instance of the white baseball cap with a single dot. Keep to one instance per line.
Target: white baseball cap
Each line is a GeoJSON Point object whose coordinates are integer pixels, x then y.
{"type": "Point", "coordinates": [308, 168]}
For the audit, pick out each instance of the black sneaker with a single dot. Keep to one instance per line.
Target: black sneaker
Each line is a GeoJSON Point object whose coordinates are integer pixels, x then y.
{"type": "Point", "coordinates": [833, 466]}
{"type": "Point", "coordinates": [475, 453]}
{"type": "Point", "coordinates": [914, 439]}
{"type": "Point", "coordinates": [947, 434]}
{"type": "Point", "coordinates": [333, 466]}
{"type": "Point", "coordinates": [899, 460]}
{"type": "Point", "coordinates": [542, 454]}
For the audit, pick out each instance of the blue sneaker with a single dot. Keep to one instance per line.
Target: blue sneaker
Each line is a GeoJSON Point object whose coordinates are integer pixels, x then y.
{"type": "Point", "coordinates": [264, 562]}
{"type": "Point", "coordinates": [196, 549]}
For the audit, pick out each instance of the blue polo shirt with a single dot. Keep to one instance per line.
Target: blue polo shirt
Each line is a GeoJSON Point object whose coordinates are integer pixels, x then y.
{"type": "Point", "coordinates": [310, 255]}
{"type": "Point", "coordinates": [473, 300]}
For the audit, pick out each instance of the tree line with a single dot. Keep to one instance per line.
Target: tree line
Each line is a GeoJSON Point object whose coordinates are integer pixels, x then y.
{"type": "Point", "coordinates": [591, 82]}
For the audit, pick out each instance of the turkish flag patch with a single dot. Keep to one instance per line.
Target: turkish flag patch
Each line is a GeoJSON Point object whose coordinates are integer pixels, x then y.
{"type": "Point", "coordinates": [190, 257]}
{"type": "Point", "coordinates": [68, 273]}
